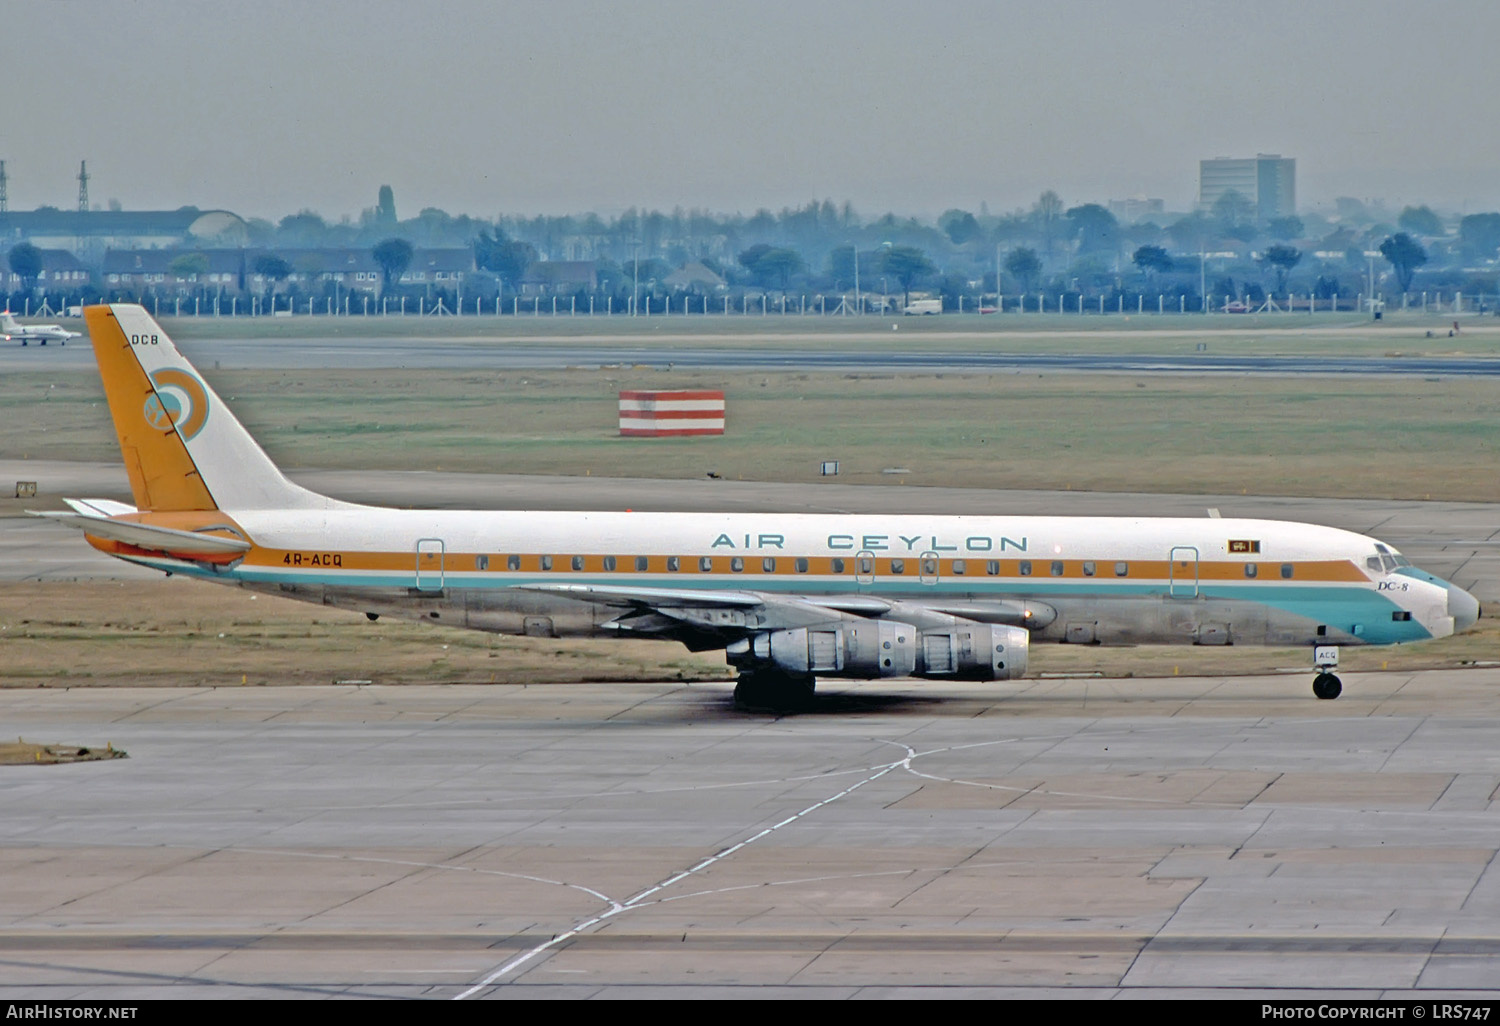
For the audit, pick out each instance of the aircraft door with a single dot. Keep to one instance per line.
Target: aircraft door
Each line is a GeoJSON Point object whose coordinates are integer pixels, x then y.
{"type": "Point", "coordinates": [1182, 572]}
{"type": "Point", "coordinates": [929, 566]}
{"type": "Point", "coordinates": [864, 568]}
{"type": "Point", "coordinates": [429, 564]}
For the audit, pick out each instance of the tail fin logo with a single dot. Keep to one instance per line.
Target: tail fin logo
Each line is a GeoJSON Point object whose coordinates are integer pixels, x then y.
{"type": "Point", "coordinates": [180, 401]}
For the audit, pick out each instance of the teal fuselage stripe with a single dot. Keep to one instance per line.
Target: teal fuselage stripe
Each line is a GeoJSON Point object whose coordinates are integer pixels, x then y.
{"type": "Point", "coordinates": [1338, 605]}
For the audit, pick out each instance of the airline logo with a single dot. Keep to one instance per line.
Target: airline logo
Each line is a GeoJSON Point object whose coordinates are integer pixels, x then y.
{"type": "Point", "coordinates": [180, 401]}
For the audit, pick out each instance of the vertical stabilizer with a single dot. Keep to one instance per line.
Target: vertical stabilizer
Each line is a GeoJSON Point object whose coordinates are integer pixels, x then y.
{"type": "Point", "coordinates": [182, 447]}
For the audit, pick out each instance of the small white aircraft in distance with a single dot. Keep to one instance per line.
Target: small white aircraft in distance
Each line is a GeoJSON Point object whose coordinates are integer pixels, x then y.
{"type": "Point", "coordinates": [14, 331]}
{"type": "Point", "coordinates": [789, 598]}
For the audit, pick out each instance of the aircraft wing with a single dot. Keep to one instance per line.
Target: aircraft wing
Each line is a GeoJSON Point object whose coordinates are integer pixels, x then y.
{"type": "Point", "coordinates": [701, 618]}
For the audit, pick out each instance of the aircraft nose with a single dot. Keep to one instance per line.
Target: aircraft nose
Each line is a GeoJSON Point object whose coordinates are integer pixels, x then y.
{"type": "Point", "coordinates": [1463, 607]}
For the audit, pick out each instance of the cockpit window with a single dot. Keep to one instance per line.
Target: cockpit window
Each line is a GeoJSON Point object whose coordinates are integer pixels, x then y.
{"type": "Point", "coordinates": [1385, 560]}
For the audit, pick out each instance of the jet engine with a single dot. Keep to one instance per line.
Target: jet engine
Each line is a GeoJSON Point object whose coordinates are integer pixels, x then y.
{"type": "Point", "coordinates": [869, 649]}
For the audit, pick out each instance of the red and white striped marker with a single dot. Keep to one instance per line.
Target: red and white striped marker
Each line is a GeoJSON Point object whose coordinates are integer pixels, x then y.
{"type": "Point", "coordinates": [651, 414]}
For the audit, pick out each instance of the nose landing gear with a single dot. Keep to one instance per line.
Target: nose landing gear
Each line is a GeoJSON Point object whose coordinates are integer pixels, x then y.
{"type": "Point", "coordinates": [1326, 684]}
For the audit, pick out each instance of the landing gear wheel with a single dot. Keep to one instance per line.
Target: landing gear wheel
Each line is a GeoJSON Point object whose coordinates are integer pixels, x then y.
{"type": "Point", "coordinates": [774, 692]}
{"type": "Point", "coordinates": [1327, 686]}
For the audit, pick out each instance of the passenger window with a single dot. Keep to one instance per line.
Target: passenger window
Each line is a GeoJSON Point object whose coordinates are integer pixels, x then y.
{"type": "Point", "coordinates": [641, 564]}
{"type": "Point", "coordinates": [768, 565]}
{"type": "Point", "coordinates": [960, 567]}
{"type": "Point", "coordinates": [1057, 568]}
{"type": "Point", "coordinates": [1251, 569]}
{"type": "Point", "coordinates": [577, 562]}
{"type": "Point", "coordinates": [673, 564]}
{"type": "Point", "coordinates": [546, 562]}
{"type": "Point", "coordinates": [1088, 568]}
{"type": "Point", "coordinates": [513, 562]}
{"type": "Point", "coordinates": [1122, 569]}
{"type": "Point", "coordinates": [706, 564]}
{"type": "Point", "coordinates": [737, 564]}
{"type": "Point", "coordinates": [801, 566]}
{"type": "Point", "coordinates": [993, 568]}
{"type": "Point", "coordinates": [836, 565]}
{"type": "Point", "coordinates": [609, 562]}
{"type": "Point", "coordinates": [898, 566]}
{"type": "Point", "coordinates": [929, 567]}
{"type": "Point", "coordinates": [866, 565]}
{"type": "Point", "coordinates": [1025, 568]}
{"type": "Point", "coordinates": [1287, 569]}
{"type": "Point", "coordinates": [481, 562]}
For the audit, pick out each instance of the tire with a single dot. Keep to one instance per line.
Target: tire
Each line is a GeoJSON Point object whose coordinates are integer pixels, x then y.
{"type": "Point", "coordinates": [1327, 686]}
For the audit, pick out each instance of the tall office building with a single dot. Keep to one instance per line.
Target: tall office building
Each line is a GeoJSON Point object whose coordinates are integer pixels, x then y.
{"type": "Point", "coordinates": [1268, 181]}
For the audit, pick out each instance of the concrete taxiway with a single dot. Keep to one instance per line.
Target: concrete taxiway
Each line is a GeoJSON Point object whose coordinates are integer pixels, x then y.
{"type": "Point", "coordinates": [1184, 837]}
{"type": "Point", "coordinates": [1221, 836]}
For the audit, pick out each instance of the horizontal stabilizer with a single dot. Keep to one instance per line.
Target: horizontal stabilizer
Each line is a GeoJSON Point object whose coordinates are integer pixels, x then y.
{"type": "Point", "coordinates": [183, 544]}
{"type": "Point", "coordinates": [101, 507]}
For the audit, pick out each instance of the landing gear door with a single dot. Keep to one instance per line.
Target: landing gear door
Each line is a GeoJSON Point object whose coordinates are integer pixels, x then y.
{"type": "Point", "coordinates": [429, 564]}
{"type": "Point", "coordinates": [1182, 572]}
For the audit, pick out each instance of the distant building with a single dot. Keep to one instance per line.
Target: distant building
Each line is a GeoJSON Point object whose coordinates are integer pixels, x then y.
{"type": "Point", "coordinates": [1268, 181]}
{"type": "Point", "coordinates": [559, 277]}
{"type": "Point", "coordinates": [88, 233]}
{"type": "Point", "coordinates": [694, 277]}
{"type": "Point", "coordinates": [232, 269]}
{"type": "Point", "coordinates": [61, 271]}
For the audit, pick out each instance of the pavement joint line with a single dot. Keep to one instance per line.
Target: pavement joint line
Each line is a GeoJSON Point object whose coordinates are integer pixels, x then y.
{"type": "Point", "coordinates": [636, 902]}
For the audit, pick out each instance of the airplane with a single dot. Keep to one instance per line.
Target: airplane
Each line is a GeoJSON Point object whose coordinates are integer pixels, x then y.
{"type": "Point", "coordinates": [788, 598]}
{"type": "Point", "coordinates": [24, 333]}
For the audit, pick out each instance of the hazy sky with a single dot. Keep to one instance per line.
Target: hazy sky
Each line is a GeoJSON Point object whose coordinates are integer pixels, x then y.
{"type": "Point", "coordinates": [572, 105]}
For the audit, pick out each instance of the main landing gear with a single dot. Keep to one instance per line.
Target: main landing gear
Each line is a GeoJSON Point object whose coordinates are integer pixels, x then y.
{"type": "Point", "coordinates": [762, 691]}
{"type": "Point", "coordinates": [1326, 684]}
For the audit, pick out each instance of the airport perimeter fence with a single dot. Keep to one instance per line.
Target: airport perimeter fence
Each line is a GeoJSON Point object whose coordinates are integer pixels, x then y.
{"type": "Point", "coordinates": [765, 305]}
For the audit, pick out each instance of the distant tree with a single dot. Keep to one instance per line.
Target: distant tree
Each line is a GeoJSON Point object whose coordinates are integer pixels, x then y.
{"type": "Point", "coordinates": [1046, 215]}
{"type": "Point", "coordinates": [303, 228]}
{"type": "Point", "coordinates": [1283, 258]}
{"type": "Point", "coordinates": [507, 258]}
{"type": "Point", "coordinates": [1232, 209]}
{"type": "Point", "coordinates": [778, 265]}
{"type": "Point", "coordinates": [1191, 233]}
{"type": "Point", "coordinates": [1023, 263]}
{"type": "Point", "coordinates": [1405, 255]}
{"type": "Point", "coordinates": [188, 266]}
{"type": "Point", "coordinates": [25, 262]}
{"type": "Point", "coordinates": [1152, 260]}
{"type": "Point", "coordinates": [907, 264]}
{"type": "Point", "coordinates": [385, 207]}
{"type": "Point", "coordinates": [394, 257]}
{"type": "Point", "coordinates": [1285, 228]}
{"type": "Point", "coordinates": [841, 266]}
{"type": "Point", "coordinates": [1480, 235]}
{"type": "Point", "coordinates": [1097, 230]}
{"type": "Point", "coordinates": [750, 258]}
{"type": "Point", "coordinates": [1420, 221]}
{"type": "Point", "coordinates": [960, 226]}
{"type": "Point", "coordinates": [272, 268]}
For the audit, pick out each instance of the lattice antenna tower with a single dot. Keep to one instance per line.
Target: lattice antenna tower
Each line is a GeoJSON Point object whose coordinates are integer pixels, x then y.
{"type": "Point", "coordinates": [83, 185]}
